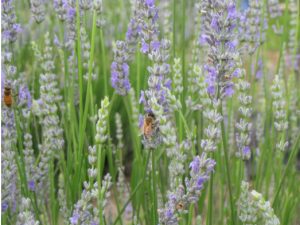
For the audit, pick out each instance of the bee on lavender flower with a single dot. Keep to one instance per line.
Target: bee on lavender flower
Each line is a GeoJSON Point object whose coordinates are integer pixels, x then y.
{"type": "Point", "coordinates": [180, 206]}
{"type": "Point", "coordinates": [7, 98]}
{"type": "Point", "coordinates": [150, 126]}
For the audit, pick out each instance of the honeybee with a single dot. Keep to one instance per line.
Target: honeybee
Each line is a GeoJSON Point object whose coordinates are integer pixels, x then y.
{"type": "Point", "coordinates": [227, 76]}
{"type": "Point", "coordinates": [179, 206]}
{"type": "Point", "coordinates": [8, 99]}
{"type": "Point", "coordinates": [149, 125]}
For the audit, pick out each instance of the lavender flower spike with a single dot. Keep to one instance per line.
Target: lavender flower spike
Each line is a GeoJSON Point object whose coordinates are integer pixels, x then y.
{"type": "Point", "coordinates": [178, 201]}
{"type": "Point", "coordinates": [26, 216]}
{"type": "Point", "coordinates": [9, 27]}
{"type": "Point", "coordinates": [220, 21]}
{"type": "Point", "coordinates": [38, 10]}
{"type": "Point", "coordinates": [123, 54]}
{"type": "Point", "coordinates": [120, 69]}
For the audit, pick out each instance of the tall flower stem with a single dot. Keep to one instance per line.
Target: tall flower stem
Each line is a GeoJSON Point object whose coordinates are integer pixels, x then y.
{"type": "Point", "coordinates": [154, 190]}
{"type": "Point", "coordinates": [140, 184]}
{"type": "Point", "coordinates": [78, 153]}
{"type": "Point", "coordinates": [290, 160]}
{"type": "Point", "coordinates": [209, 219]}
{"type": "Point", "coordinates": [103, 56]}
{"type": "Point", "coordinates": [138, 73]}
{"type": "Point", "coordinates": [174, 28]}
{"type": "Point", "coordinates": [224, 140]}
{"type": "Point", "coordinates": [78, 49]}
{"type": "Point", "coordinates": [99, 165]}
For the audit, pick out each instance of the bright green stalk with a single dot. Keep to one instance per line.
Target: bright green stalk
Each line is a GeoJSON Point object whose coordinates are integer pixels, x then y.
{"type": "Point", "coordinates": [103, 57]}
{"type": "Point", "coordinates": [135, 190]}
{"type": "Point", "coordinates": [78, 49]}
{"type": "Point", "coordinates": [209, 219]}
{"type": "Point", "coordinates": [53, 200]}
{"type": "Point", "coordinates": [138, 68]}
{"type": "Point", "coordinates": [225, 149]}
{"type": "Point", "coordinates": [174, 29]}
{"type": "Point", "coordinates": [289, 163]}
{"type": "Point", "coordinates": [154, 197]}
{"type": "Point", "coordinates": [99, 175]}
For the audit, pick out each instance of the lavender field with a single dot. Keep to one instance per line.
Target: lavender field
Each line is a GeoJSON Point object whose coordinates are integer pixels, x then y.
{"type": "Point", "coordinates": [147, 112]}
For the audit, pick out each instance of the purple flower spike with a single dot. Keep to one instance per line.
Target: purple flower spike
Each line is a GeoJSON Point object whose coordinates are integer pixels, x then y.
{"type": "Point", "coordinates": [4, 206]}
{"type": "Point", "coordinates": [31, 185]}
{"type": "Point", "coordinates": [220, 23]}
{"type": "Point", "coordinates": [120, 69]}
{"type": "Point", "coordinates": [74, 219]}
{"type": "Point", "coordinates": [246, 152]}
{"type": "Point", "coordinates": [145, 48]}
{"type": "Point", "coordinates": [195, 165]}
{"type": "Point", "coordinates": [150, 3]}
{"type": "Point", "coordinates": [179, 200]}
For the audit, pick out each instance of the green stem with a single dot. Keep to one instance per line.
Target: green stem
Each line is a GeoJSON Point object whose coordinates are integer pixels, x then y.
{"type": "Point", "coordinates": [209, 220]}
{"type": "Point", "coordinates": [227, 167]}
{"type": "Point", "coordinates": [78, 49]}
{"type": "Point", "coordinates": [289, 163]}
{"type": "Point", "coordinates": [174, 28]}
{"type": "Point", "coordinates": [103, 56]}
{"type": "Point", "coordinates": [134, 191]}
{"type": "Point", "coordinates": [138, 65]}
{"type": "Point", "coordinates": [154, 197]}
{"type": "Point", "coordinates": [99, 168]}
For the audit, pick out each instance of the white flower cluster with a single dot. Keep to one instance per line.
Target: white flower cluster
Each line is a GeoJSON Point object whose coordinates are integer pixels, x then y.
{"type": "Point", "coordinates": [101, 127]}
{"type": "Point", "coordinates": [177, 76]}
{"type": "Point", "coordinates": [25, 215]}
{"type": "Point", "coordinates": [244, 125]}
{"type": "Point", "coordinates": [119, 131]}
{"type": "Point", "coordinates": [50, 98]}
{"type": "Point", "coordinates": [294, 23]}
{"type": "Point", "coordinates": [279, 112]}
{"type": "Point", "coordinates": [38, 10]}
{"type": "Point", "coordinates": [212, 131]}
{"type": "Point", "coordinates": [254, 209]}
{"type": "Point", "coordinates": [197, 97]}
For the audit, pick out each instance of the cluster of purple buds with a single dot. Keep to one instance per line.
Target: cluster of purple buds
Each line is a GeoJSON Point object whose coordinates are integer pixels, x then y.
{"type": "Point", "coordinates": [274, 8]}
{"type": "Point", "coordinates": [29, 160]}
{"type": "Point", "coordinates": [149, 26]}
{"type": "Point", "coordinates": [37, 8]}
{"type": "Point", "coordinates": [219, 26]}
{"type": "Point", "coordinates": [60, 7]}
{"type": "Point", "coordinates": [120, 69]}
{"type": "Point", "coordinates": [70, 24]}
{"type": "Point", "coordinates": [9, 27]}
{"type": "Point", "coordinates": [158, 81]}
{"type": "Point", "coordinates": [178, 201]}
{"type": "Point", "coordinates": [25, 96]}
{"type": "Point", "coordinates": [9, 175]}
{"type": "Point", "coordinates": [133, 32]}
{"type": "Point", "coordinates": [252, 27]}
{"type": "Point", "coordinates": [123, 53]}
